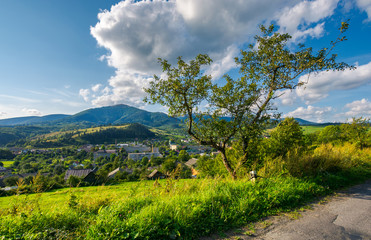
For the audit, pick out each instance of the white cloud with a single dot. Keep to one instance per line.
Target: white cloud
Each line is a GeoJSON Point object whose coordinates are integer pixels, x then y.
{"type": "Point", "coordinates": [224, 64]}
{"type": "Point", "coordinates": [2, 114]}
{"type": "Point", "coordinates": [137, 33]}
{"type": "Point", "coordinates": [287, 97]}
{"type": "Point", "coordinates": [296, 20]}
{"type": "Point", "coordinates": [365, 5]}
{"type": "Point", "coordinates": [31, 112]}
{"type": "Point", "coordinates": [360, 108]}
{"type": "Point", "coordinates": [310, 113]}
{"type": "Point", "coordinates": [84, 93]}
{"type": "Point", "coordinates": [321, 84]}
{"type": "Point", "coordinates": [96, 87]}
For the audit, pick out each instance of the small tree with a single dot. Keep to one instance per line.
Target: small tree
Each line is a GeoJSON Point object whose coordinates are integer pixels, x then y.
{"type": "Point", "coordinates": [287, 136]}
{"type": "Point", "coordinates": [246, 101]}
{"type": "Point", "coordinates": [357, 131]}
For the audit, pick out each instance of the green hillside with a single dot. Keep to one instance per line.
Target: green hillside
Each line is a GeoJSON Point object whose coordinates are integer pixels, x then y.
{"type": "Point", "coordinates": [120, 114]}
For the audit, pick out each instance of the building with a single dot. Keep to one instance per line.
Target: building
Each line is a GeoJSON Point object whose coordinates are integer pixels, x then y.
{"type": "Point", "coordinates": [87, 175]}
{"type": "Point", "coordinates": [156, 175]}
{"type": "Point", "coordinates": [140, 156]}
{"type": "Point", "coordinates": [4, 170]}
{"type": "Point", "coordinates": [191, 163]}
{"type": "Point", "coordinates": [104, 153]}
{"type": "Point", "coordinates": [117, 170]}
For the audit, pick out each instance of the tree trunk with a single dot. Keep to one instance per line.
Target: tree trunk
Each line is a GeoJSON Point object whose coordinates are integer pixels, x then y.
{"type": "Point", "coordinates": [228, 165]}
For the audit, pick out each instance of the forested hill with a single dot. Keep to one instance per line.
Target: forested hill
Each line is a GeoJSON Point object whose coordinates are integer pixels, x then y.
{"type": "Point", "coordinates": [32, 120]}
{"type": "Point", "coordinates": [110, 135]}
{"type": "Point", "coordinates": [115, 115]}
{"type": "Point", "coordinates": [20, 129]}
{"type": "Point", "coordinates": [120, 114]}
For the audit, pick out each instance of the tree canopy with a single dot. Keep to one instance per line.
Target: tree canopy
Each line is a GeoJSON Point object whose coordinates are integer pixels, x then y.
{"type": "Point", "coordinates": [238, 110]}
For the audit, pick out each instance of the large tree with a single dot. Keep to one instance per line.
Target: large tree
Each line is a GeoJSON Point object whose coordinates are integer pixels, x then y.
{"type": "Point", "coordinates": [239, 109]}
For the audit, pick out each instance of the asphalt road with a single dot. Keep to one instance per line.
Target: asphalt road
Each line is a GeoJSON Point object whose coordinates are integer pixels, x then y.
{"type": "Point", "coordinates": [345, 216]}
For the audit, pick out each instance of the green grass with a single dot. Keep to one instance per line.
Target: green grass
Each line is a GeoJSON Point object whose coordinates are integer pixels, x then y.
{"type": "Point", "coordinates": [311, 129]}
{"type": "Point", "coordinates": [168, 209]}
{"type": "Point", "coordinates": [7, 163]}
{"type": "Point", "coordinates": [182, 209]}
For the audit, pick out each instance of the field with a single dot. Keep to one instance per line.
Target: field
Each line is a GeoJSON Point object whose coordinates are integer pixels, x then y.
{"type": "Point", "coordinates": [7, 163]}
{"type": "Point", "coordinates": [311, 129]}
{"type": "Point", "coordinates": [59, 198]}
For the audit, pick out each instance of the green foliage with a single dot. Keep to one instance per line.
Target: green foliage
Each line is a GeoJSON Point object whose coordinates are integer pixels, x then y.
{"type": "Point", "coordinates": [211, 167]}
{"type": "Point", "coordinates": [169, 165]}
{"type": "Point", "coordinates": [355, 132]}
{"type": "Point", "coordinates": [287, 136]}
{"type": "Point", "coordinates": [266, 69]}
{"type": "Point", "coordinates": [6, 154]}
{"type": "Point", "coordinates": [11, 181]}
{"type": "Point", "coordinates": [183, 156]}
{"type": "Point", "coordinates": [74, 181]}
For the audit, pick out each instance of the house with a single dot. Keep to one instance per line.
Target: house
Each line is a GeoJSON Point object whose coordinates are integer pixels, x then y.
{"type": "Point", "coordinates": [140, 156]}
{"type": "Point", "coordinates": [156, 175]}
{"type": "Point", "coordinates": [136, 148]}
{"type": "Point", "coordinates": [117, 170]}
{"type": "Point", "coordinates": [191, 163]}
{"type": "Point", "coordinates": [87, 175]}
{"type": "Point", "coordinates": [104, 153]}
{"type": "Point", "coordinates": [4, 170]}
{"type": "Point", "coordinates": [173, 147]}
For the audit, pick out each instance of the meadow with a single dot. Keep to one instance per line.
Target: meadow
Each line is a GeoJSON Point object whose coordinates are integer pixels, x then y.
{"type": "Point", "coordinates": [181, 208]}
{"type": "Point", "coordinates": [311, 129]}
{"type": "Point", "coordinates": [7, 163]}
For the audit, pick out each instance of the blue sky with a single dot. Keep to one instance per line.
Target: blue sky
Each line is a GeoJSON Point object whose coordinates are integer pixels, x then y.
{"type": "Point", "coordinates": [67, 56]}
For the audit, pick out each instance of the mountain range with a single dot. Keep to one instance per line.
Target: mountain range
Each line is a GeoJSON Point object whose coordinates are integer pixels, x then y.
{"type": "Point", "coordinates": [115, 115]}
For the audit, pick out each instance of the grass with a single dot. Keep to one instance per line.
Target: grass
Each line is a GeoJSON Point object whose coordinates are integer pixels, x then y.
{"type": "Point", "coordinates": [168, 209]}
{"type": "Point", "coordinates": [311, 129]}
{"type": "Point", "coordinates": [7, 163]}
{"type": "Point", "coordinates": [182, 209]}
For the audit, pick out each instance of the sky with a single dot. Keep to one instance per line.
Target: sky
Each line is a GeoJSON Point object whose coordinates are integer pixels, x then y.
{"type": "Point", "coordinates": [62, 57]}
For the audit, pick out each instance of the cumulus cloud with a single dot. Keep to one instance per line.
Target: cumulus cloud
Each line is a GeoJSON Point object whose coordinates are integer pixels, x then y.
{"type": "Point", "coordinates": [219, 67]}
{"type": "Point", "coordinates": [321, 84]}
{"type": "Point", "coordinates": [2, 114]}
{"type": "Point", "coordinates": [84, 93]}
{"type": "Point", "coordinates": [96, 87]}
{"type": "Point", "coordinates": [310, 113]}
{"type": "Point", "coordinates": [359, 108]}
{"type": "Point", "coordinates": [136, 33]}
{"type": "Point", "coordinates": [365, 5]}
{"type": "Point", "coordinates": [287, 97]}
{"type": "Point", "coordinates": [31, 112]}
{"type": "Point", "coordinates": [297, 20]}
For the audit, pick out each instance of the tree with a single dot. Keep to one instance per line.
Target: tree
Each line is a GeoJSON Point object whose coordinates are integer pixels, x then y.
{"type": "Point", "coordinates": [357, 131]}
{"type": "Point", "coordinates": [240, 109]}
{"type": "Point", "coordinates": [331, 134]}
{"type": "Point", "coordinates": [287, 136]}
{"type": "Point", "coordinates": [183, 156]}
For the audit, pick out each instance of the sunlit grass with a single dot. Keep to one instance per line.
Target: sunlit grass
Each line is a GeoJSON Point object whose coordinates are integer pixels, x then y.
{"type": "Point", "coordinates": [7, 163]}
{"type": "Point", "coordinates": [311, 129]}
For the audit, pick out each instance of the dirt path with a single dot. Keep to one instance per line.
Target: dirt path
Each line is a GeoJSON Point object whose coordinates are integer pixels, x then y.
{"type": "Point", "coordinates": [345, 215]}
